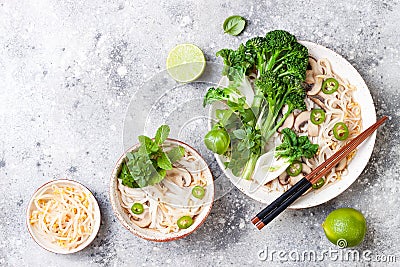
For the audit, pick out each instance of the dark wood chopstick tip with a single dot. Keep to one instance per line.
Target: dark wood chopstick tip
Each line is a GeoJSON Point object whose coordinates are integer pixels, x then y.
{"type": "Point", "coordinates": [255, 220]}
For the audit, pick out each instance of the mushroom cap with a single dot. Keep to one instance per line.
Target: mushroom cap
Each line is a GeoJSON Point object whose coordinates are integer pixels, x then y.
{"type": "Point", "coordinates": [310, 77]}
{"type": "Point", "coordinates": [288, 123]}
{"type": "Point", "coordinates": [316, 86]}
{"type": "Point", "coordinates": [294, 179]}
{"type": "Point", "coordinates": [341, 165]}
{"type": "Point", "coordinates": [306, 170]}
{"type": "Point", "coordinates": [179, 176]}
{"type": "Point", "coordinates": [142, 220]}
{"type": "Point", "coordinates": [319, 100]}
{"type": "Point", "coordinates": [301, 120]}
{"type": "Point", "coordinates": [284, 178]}
{"type": "Point", "coordinates": [312, 129]}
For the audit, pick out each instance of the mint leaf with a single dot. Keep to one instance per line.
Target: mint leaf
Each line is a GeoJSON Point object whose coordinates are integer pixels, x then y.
{"type": "Point", "coordinates": [163, 162]}
{"type": "Point", "coordinates": [240, 134]}
{"type": "Point", "coordinates": [148, 165]}
{"type": "Point", "coordinates": [162, 134]}
{"type": "Point", "coordinates": [176, 154]}
{"type": "Point", "coordinates": [126, 177]}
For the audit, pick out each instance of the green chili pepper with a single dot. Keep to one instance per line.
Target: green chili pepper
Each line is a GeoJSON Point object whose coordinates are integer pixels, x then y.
{"type": "Point", "coordinates": [330, 86]}
{"type": "Point", "coordinates": [319, 183]}
{"type": "Point", "coordinates": [317, 116]}
{"type": "Point", "coordinates": [295, 168]}
{"type": "Point", "coordinates": [198, 192]}
{"type": "Point", "coordinates": [340, 131]}
{"type": "Point", "coordinates": [184, 222]}
{"type": "Point", "coordinates": [137, 208]}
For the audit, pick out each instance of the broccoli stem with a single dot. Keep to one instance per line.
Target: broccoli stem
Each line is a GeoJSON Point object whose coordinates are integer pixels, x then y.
{"type": "Point", "coordinates": [250, 165]}
{"type": "Point", "coordinates": [267, 132]}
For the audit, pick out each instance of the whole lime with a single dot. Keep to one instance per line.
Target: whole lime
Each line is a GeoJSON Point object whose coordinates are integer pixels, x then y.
{"type": "Point", "coordinates": [345, 227]}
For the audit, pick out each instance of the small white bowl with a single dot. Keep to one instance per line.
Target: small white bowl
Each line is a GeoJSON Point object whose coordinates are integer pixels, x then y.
{"type": "Point", "coordinates": [150, 234]}
{"type": "Point", "coordinates": [46, 243]}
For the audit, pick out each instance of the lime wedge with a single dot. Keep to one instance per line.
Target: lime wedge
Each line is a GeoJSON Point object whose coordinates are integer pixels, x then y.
{"type": "Point", "coordinates": [185, 63]}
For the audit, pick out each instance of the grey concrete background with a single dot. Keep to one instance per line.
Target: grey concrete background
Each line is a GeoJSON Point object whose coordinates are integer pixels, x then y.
{"type": "Point", "coordinates": [68, 70]}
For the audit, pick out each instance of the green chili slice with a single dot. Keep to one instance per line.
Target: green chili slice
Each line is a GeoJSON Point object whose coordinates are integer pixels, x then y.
{"type": "Point", "coordinates": [340, 131]}
{"type": "Point", "coordinates": [319, 183]}
{"type": "Point", "coordinates": [317, 116]}
{"type": "Point", "coordinates": [295, 168]}
{"type": "Point", "coordinates": [137, 208]}
{"type": "Point", "coordinates": [330, 86]}
{"type": "Point", "coordinates": [198, 192]}
{"type": "Point", "coordinates": [184, 222]}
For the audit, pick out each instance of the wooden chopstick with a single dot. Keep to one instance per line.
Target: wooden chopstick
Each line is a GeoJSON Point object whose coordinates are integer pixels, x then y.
{"type": "Point", "coordinates": [287, 198]}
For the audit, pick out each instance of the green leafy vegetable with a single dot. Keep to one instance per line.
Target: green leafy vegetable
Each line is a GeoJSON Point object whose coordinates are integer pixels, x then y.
{"type": "Point", "coordinates": [279, 65]}
{"type": "Point", "coordinates": [127, 178]}
{"type": "Point", "coordinates": [164, 162]}
{"type": "Point", "coordinates": [176, 153]}
{"type": "Point", "coordinates": [234, 25]}
{"type": "Point", "coordinates": [149, 163]}
{"type": "Point", "coordinates": [161, 134]}
{"type": "Point", "coordinates": [294, 147]}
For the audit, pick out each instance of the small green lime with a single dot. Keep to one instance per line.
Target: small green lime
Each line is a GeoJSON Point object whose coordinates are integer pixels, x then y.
{"type": "Point", "coordinates": [186, 63]}
{"type": "Point", "coordinates": [345, 227]}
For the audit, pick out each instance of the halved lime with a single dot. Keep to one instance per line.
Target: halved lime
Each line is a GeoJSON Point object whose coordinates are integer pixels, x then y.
{"type": "Point", "coordinates": [185, 63]}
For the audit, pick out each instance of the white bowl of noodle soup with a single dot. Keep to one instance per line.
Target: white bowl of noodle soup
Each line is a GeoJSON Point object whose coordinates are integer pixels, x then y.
{"type": "Point", "coordinates": [72, 215]}
{"type": "Point", "coordinates": [164, 207]}
{"type": "Point", "coordinates": [354, 168]}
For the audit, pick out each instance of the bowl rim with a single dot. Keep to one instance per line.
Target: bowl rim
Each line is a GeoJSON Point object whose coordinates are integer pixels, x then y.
{"type": "Point", "coordinates": [97, 214]}
{"type": "Point", "coordinates": [137, 233]}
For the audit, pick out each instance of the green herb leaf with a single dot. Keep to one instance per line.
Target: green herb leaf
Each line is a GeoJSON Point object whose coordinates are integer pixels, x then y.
{"type": "Point", "coordinates": [126, 177]}
{"type": "Point", "coordinates": [176, 154]}
{"type": "Point", "coordinates": [294, 147]}
{"type": "Point", "coordinates": [162, 134]}
{"type": "Point", "coordinates": [234, 25]}
{"type": "Point", "coordinates": [240, 133]}
{"type": "Point", "coordinates": [148, 165]}
{"type": "Point", "coordinates": [163, 162]}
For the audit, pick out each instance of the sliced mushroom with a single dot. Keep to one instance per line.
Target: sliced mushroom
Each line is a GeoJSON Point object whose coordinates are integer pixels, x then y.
{"type": "Point", "coordinates": [301, 121]}
{"type": "Point", "coordinates": [319, 100]}
{"type": "Point", "coordinates": [310, 77]}
{"type": "Point", "coordinates": [316, 87]}
{"type": "Point", "coordinates": [294, 179]}
{"type": "Point", "coordinates": [314, 66]}
{"type": "Point", "coordinates": [142, 220]}
{"type": "Point", "coordinates": [179, 176]}
{"type": "Point", "coordinates": [341, 165]}
{"type": "Point", "coordinates": [284, 178]}
{"type": "Point", "coordinates": [288, 123]}
{"type": "Point", "coordinates": [312, 129]}
{"type": "Point", "coordinates": [306, 170]}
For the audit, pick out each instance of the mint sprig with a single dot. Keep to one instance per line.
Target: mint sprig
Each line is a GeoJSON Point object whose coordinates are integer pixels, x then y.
{"type": "Point", "coordinates": [148, 165]}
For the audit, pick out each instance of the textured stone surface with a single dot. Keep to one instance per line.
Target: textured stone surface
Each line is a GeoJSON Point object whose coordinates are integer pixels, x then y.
{"type": "Point", "coordinates": [68, 70]}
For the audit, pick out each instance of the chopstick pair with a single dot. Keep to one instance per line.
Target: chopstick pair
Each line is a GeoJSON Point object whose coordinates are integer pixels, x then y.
{"type": "Point", "coordinates": [286, 199]}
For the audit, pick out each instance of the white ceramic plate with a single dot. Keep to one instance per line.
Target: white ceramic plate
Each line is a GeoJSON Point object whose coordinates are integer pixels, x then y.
{"type": "Point", "coordinates": [150, 234]}
{"type": "Point", "coordinates": [362, 95]}
{"type": "Point", "coordinates": [45, 242]}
